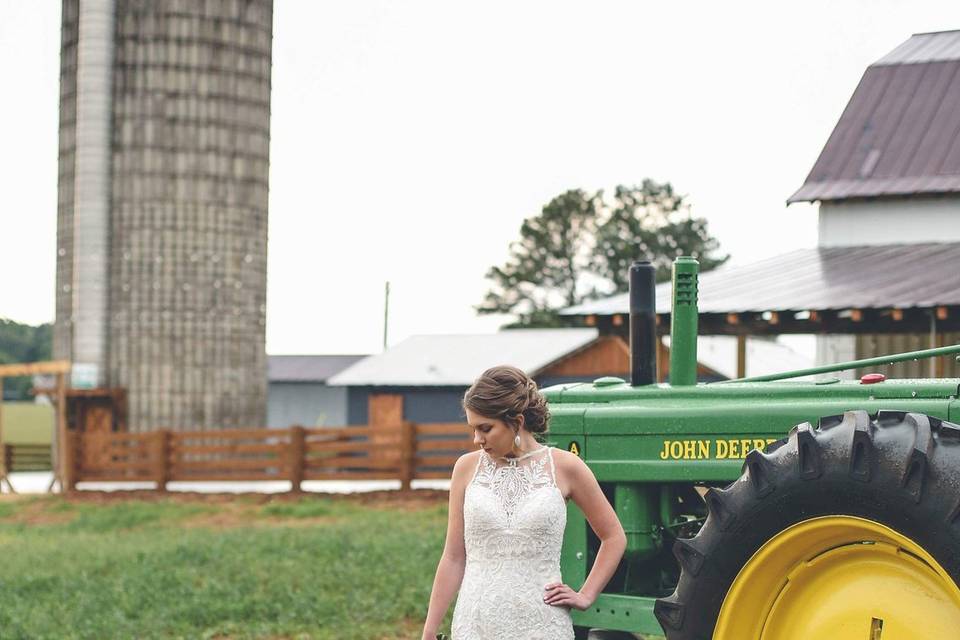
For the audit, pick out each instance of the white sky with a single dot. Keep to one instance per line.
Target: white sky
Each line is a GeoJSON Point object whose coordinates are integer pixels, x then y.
{"type": "Point", "coordinates": [410, 139]}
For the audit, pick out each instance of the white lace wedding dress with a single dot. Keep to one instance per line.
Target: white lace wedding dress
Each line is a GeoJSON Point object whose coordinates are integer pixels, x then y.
{"type": "Point", "coordinates": [513, 520]}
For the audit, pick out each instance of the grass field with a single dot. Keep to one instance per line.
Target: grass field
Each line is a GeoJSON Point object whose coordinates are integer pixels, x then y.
{"type": "Point", "coordinates": [218, 567]}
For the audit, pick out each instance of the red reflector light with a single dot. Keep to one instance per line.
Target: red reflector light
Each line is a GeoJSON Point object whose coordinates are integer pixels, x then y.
{"type": "Point", "coordinates": [872, 378]}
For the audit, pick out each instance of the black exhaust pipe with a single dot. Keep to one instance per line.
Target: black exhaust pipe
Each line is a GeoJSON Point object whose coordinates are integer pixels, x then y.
{"type": "Point", "coordinates": [643, 327]}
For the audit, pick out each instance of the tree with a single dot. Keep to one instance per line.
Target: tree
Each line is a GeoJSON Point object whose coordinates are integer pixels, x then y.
{"type": "Point", "coordinates": [650, 222]}
{"type": "Point", "coordinates": [23, 343]}
{"type": "Point", "coordinates": [547, 263]}
{"type": "Point", "coordinates": [582, 244]}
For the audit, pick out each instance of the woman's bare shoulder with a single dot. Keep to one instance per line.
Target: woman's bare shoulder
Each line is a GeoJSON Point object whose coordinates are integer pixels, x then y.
{"type": "Point", "coordinates": [568, 461]}
{"type": "Point", "coordinates": [465, 465]}
{"type": "Point", "coordinates": [469, 456]}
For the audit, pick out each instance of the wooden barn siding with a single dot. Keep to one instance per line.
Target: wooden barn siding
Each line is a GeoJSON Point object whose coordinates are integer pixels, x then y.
{"type": "Point", "coordinates": [871, 345]}
{"type": "Point", "coordinates": [609, 355]}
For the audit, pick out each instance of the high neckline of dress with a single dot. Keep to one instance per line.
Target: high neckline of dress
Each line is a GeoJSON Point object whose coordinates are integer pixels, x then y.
{"type": "Point", "coordinates": [521, 457]}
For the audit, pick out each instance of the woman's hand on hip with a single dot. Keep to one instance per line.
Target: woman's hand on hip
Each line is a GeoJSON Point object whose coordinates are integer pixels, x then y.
{"type": "Point", "coordinates": [560, 595]}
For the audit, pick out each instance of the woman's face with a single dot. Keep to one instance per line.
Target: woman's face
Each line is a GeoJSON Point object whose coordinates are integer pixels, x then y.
{"type": "Point", "coordinates": [493, 436]}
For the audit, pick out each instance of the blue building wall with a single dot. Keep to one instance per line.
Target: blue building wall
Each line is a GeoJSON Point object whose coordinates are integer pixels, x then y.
{"type": "Point", "coordinates": [420, 404]}
{"type": "Point", "coordinates": [308, 404]}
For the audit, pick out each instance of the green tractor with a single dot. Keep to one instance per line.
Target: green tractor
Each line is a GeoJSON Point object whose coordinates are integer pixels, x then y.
{"type": "Point", "coordinates": [765, 508]}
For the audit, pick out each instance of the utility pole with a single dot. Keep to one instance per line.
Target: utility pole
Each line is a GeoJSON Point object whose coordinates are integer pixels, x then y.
{"type": "Point", "coordinates": [386, 312]}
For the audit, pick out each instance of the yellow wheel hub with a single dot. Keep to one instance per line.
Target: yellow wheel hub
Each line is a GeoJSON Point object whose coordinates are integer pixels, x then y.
{"type": "Point", "coordinates": [840, 578]}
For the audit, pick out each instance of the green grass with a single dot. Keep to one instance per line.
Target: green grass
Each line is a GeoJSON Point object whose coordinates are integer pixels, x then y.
{"type": "Point", "coordinates": [302, 509]}
{"type": "Point", "coordinates": [127, 515]}
{"type": "Point", "coordinates": [173, 570]}
{"type": "Point", "coordinates": [7, 509]}
{"type": "Point", "coordinates": [289, 569]}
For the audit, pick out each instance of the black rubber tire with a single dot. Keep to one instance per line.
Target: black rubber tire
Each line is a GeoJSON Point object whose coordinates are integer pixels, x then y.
{"type": "Point", "coordinates": [899, 469]}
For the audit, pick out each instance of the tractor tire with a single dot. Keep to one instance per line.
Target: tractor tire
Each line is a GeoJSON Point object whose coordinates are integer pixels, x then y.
{"type": "Point", "coordinates": [887, 486]}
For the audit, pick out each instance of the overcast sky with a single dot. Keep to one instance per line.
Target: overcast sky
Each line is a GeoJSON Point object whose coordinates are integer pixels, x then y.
{"type": "Point", "coordinates": [410, 139]}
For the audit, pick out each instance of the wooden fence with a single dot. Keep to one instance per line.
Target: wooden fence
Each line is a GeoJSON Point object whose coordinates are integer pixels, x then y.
{"type": "Point", "coordinates": [405, 452]}
{"type": "Point", "coordinates": [22, 457]}
{"type": "Point", "coordinates": [25, 457]}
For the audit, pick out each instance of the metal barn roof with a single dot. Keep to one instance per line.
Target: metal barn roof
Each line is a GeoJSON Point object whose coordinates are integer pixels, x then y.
{"type": "Point", "coordinates": [900, 133]}
{"type": "Point", "coordinates": [901, 276]}
{"type": "Point", "coordinates": [307, 368]}
{"type": "Point", "coordinates": [925, 47]}
{"type": "Point", "coordinates": [457, 360]}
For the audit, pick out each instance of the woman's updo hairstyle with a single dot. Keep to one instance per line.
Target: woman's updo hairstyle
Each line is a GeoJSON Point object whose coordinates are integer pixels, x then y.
{"type": "Point", "coordinates": [505, 393]}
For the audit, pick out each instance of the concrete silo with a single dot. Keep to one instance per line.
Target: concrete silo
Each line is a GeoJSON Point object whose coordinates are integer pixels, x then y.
{"type": "Point", "coordinates": [162, 209]}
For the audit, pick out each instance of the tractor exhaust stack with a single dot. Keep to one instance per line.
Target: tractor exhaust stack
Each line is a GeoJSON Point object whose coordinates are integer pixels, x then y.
{"type": "Point", "coordinates": [643, 318]}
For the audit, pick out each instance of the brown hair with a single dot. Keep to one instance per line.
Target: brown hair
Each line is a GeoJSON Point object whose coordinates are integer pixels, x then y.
{"type": "Point", "coordinates": [505, 393]}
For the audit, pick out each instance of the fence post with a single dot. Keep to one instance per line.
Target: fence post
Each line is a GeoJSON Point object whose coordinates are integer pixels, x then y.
{"type": "Point", "coordinates": [408, 454]}
{"type": "Point", "coordinates": [68, 471]}
{"type": "Point", "coordinates": [296, 457]}
{"type": "Point", "coordinates": [161, 459]}
{"type": "Point", "coordinates": [6, 462]}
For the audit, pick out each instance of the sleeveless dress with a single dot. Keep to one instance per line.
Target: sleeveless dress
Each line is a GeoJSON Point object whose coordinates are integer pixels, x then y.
{"type": "Point", "coordinates": [513, 520]}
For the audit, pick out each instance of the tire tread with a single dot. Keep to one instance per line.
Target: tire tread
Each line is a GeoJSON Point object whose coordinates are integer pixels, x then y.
{"type": "Point", "coordinates": [899, 468]}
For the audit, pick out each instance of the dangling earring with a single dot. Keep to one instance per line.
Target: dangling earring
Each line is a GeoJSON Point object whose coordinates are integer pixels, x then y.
{"type": "Point", "coordinates": [516, 441]}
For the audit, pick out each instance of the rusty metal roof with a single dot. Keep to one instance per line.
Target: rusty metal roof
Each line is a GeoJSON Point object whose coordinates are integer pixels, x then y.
{"type": "Point", "coordinates": [820, 279]}
{"type": "Point", "coordinates": [900, 133]}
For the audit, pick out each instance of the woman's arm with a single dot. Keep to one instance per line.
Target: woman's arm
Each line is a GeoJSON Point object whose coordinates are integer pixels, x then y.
{"type": "Point", "coordinates": [454, 558]}
{"type": "Point", "coordinates": [586, 493]}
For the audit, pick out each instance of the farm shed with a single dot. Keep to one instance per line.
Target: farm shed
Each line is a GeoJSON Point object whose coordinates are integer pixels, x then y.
{"type": "Point", "coordinates": [423, 378]}
{"type": "Point", "coordinates": [298, 393]}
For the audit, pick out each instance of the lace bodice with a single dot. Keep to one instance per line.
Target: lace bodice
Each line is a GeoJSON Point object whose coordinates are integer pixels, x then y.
{"type": "Point", "coordinates": [514, 516]}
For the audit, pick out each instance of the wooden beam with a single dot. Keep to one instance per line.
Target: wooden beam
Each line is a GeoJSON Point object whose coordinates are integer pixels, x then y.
{"type": "Point", "coordinates": [35, 368]}
{"type": "Point", "coordinates": [941, 363]}
{"type": "Point", "coordinates": [1, 410]}
{"type": "Point", "coordinates": [741, 356]}
{"type": "Point", "coordinates": [3, 450]}
{"type": "Point", "coordinates": [62, 470]}
{"type": "Point", "coordinates": [847, 321]}
{"type": "Point", "coordinates": [663, 360]}
{"type": "Point", "coordinates": [6, 461]}
{"type": "Point", "coordinates": [933, 342]}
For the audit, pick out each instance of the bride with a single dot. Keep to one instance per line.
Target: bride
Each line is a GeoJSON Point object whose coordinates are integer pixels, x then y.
{"type": "Point", "coordinates": [506, 521]}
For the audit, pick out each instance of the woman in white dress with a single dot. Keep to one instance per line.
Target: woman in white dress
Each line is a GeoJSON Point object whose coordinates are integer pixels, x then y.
{"type": "Point", "coordinates": [506, 521]}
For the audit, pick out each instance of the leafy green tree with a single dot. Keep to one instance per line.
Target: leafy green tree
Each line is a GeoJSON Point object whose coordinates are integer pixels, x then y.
{"type": "Point", "coordinates": [581, 246]}
{"type": "Point", "coordinates": [546, 265]}
{"type": "Point", "coordinates": [650, 222]}
{"type": "Point", "coordinates": [23, 343]}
